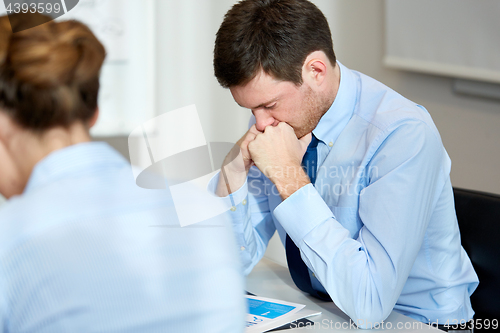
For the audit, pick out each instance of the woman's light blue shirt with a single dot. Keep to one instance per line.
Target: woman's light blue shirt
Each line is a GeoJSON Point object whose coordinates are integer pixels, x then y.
{"type": "Point", "coordinates": [86, 250]}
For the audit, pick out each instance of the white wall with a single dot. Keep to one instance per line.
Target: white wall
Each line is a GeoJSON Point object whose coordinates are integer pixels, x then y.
{"type": "Point", "coordinates": [468, 126]}
{"type": "Point", "coordinates": [185, 41]}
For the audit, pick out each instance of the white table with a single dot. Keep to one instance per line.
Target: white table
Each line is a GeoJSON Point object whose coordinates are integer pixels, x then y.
{"type": "Point", "coordinates": [269, 279]}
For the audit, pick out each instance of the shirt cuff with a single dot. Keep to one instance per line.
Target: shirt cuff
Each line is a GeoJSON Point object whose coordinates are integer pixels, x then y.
{"type": "Point", "coordinates": [232, 199]}
{"type": "Point", "coordinates": [303, 211]}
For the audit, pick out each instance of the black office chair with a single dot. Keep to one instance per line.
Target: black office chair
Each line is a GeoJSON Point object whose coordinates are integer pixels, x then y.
{"type": "Point", "coordinates": [478, 216]}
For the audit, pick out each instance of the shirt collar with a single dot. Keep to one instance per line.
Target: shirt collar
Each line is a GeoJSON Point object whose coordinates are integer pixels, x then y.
{"type": "Point", "coordinates": [336, 118]}
{"type": "Point", "coordinates": [70, 161]}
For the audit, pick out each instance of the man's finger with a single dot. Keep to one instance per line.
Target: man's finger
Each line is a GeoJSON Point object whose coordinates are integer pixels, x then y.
{"type": "Point", "coordinates": [250, 137]}
{"type": "Point", "coordinates": [254, 130]}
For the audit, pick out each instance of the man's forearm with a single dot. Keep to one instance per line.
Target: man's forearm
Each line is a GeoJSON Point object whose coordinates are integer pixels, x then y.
{"type": "Point", "coordinates": [230, 181]}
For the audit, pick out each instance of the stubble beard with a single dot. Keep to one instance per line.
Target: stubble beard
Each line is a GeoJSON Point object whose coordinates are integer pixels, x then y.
{"type": "Point", "coordinates": [315, 106]}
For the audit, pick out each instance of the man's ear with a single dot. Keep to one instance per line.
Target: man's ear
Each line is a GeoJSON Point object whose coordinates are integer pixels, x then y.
{"type": "Point", "coordinates": [93, 120]}
{"type": "Point", "coordinates": [315, 68]}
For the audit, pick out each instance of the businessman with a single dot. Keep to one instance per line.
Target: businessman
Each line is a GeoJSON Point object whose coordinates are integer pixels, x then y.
{"type": "Point", "coordinates": [352, 176]}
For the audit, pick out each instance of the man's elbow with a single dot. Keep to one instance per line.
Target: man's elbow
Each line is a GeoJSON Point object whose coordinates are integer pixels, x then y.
{"type": "Point", "coordinates": [370, 317]}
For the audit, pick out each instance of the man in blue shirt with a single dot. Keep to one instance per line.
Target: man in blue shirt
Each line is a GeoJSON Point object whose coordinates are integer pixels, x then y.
{"type": "Point", "coordinates": [372, 215]}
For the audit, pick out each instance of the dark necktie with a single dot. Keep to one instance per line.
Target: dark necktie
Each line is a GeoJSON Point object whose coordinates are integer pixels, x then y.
{"type": "Point", "coordinates": [299, 270]}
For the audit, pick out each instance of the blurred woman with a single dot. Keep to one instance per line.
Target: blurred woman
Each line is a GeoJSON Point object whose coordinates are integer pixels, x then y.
{"type": "Point", "coordinates": [78, 248]}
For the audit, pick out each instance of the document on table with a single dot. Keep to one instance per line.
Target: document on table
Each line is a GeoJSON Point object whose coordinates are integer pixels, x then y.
{"type": "Point", "coordinates": [265, 314]}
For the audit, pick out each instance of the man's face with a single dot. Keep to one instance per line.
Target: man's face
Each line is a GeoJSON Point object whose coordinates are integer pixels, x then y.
{"type": "Point", "coordinates": [273, 101]}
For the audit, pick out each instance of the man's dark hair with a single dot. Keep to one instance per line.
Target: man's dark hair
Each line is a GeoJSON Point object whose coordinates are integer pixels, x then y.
{"type": "Point", "coordinates": [273, 35]}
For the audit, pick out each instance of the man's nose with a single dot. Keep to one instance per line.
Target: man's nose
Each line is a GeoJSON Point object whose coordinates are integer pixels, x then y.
{"type": "Point", "coordinates": [263, 119]}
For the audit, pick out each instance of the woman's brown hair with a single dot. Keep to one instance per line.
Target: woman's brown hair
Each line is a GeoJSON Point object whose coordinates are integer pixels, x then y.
{"type": "Point", "coordinates": [49, 74]}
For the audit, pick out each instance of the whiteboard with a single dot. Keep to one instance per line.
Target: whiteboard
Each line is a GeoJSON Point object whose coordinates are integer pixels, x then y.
{"type": "Point", "coordinates": [457, 38]}
{"type": "Point", "coordinates": [108, 20]}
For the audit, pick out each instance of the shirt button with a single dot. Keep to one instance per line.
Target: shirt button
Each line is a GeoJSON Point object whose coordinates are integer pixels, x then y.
{"type": "Point", "coordinates": [233, 209]}
{"type": "Point", "coordinates": [242, 248]}
{"type": "Point", "coordinates": [331, 144]}
{"type": "Point", "coordinates": [244, 202]}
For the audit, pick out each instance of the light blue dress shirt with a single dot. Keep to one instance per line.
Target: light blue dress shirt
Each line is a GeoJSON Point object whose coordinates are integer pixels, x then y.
{"type": "Point", "coordinates": [379, 228]}
{"type": "Point", "coordinates": [84, 249]}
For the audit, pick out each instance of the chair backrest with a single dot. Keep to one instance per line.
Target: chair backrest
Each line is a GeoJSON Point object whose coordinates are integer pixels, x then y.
{"type": "Point", "coordinates": [478, 216]}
